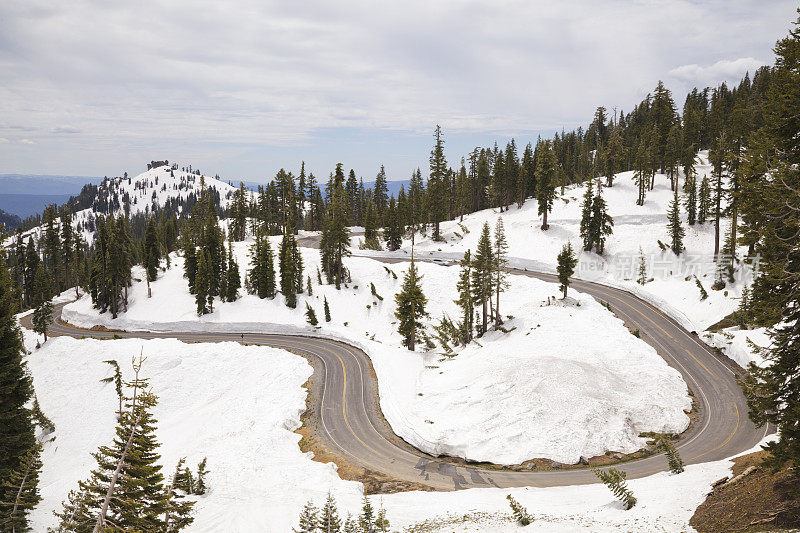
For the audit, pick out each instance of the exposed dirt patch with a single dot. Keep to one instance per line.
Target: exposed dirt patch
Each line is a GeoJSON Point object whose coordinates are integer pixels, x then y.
{"type": "Point", "coordinates": [761, 500]}
{"type": "Point", "coordinates": [374, 482]}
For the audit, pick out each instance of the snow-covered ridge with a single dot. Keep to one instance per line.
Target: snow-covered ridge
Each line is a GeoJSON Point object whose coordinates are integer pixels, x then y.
{"type": "Point", "coordinates": [144, 193]}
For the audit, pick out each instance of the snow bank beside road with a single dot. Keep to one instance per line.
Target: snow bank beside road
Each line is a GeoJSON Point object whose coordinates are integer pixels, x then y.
{"type": "Point", "coordinates": [566, 381]}
{"type": "Point", "coordinates": [237, 405]}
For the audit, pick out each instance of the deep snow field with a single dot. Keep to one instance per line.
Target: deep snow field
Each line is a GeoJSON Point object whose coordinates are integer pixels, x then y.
{"type": "Point", "coordinates": [238, 406]}
{"type": "Point", "coordinates": [548, 389]}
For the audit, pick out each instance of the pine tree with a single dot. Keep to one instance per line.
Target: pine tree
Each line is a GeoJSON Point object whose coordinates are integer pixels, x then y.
{"type": "Point", "coordinates": [642, 279]}
{"type": "Point", "coordinates": [691, 200]}
{"type": "Point", "coordinates": [371, 241]}
{"type": "Point", "coordinates": [200, 486]}
{"type": "Point", "coordinates": [126, 490]}
{"type": "Point", "coordinates": [601, 224]}
{"type": "Point", "coordinates": [674, 226]}
{"type": "Point", "coordinates": [311, 316]}
{"type": "Point", "coordinates": [152, 252]}
{"type": "Point", "coordinates": [20, 491]}
{"type": "Point", "coordinates": [519, 513]}
{"type": "Point", "coordinates": [673, 457]}
{"type": "Point", "coordinates": [381, 522]}
{"type": "Point", "coordinates": [261, 276]}
{"type": "Point", "coordinates": [465, 300]}
{"type": "Point", "coordinates": [500, 262]}
{"type": "Point", "coordinates": [335, 242]}
{"type": "Point", "coordinates": [438, 184]}
{"type": "Point", "coordinates": [308, 519]}
{"type": "Point", "coordinates": [366, 520]}
{"type": "Point", "coordinates": [288, 267]}
{"type": "Point", "coordinates": [178, 510]}
{"type": "Point", "coordinates": [615, 480]}
{"type": "Point", "coordinates": [309, 290]}
{"type": "Point", "coordinates": [772, 389]}
{"type": "Point", "coordinates": [393, 234]}
{"type": "Point", "coordinates": [411, 304]}
{"type": "Point", "coordinates": [703, 200]}
{"type": "Point", "coordinates": [327, 309]}
{"type": "Point", "coordinates": [329, 521]}
{"type": "Point", "coordinates": [42, 301]}
{"type": "Point", "coordinates": [233, 280]}
{"type": "Point", "coordinates": [586, 216]}
{"type": "Point", "coordinates": [546, 176]}
{"type": "Point", "coordinates": [116, 378]}
{"type": "Point", "coordinates": [482, 275]}
{"type": "Point", "coordinates": [201, 282]}
{"type": "Point", "coordinates": [566, 267]}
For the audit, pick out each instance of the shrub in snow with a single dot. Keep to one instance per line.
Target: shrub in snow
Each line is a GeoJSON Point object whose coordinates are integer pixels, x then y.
{"type": "Point", "coordinates": [520, 514]}
{"type": "Point", "coordinates": [615, 480]}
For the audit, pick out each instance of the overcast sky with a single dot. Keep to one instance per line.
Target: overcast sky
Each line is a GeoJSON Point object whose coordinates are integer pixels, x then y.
{"type": "Point", "coordinates": [242, 88]}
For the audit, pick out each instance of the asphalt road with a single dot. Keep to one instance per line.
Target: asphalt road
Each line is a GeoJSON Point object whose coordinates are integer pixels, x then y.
{"type": "Point", "coordinates": [351, 425]}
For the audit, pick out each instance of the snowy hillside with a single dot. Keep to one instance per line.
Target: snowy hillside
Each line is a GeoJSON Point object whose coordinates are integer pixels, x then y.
{"type": "Point", "coordinates": [532, 393]}
{"type": "Point", "coordinates": [238, 405]}
{"type": "Point", "coordinates": [635, 227]}
{"type": "Point", "coordinates": [159, 187]}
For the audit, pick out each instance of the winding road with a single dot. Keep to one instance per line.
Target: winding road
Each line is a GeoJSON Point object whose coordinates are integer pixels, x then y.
{"type": "Point", "coordinates": [349, 423]}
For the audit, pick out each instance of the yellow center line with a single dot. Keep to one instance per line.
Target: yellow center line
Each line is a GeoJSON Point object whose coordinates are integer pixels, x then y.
{"type": "Point", "coordinates": [662, 329]}
{"type": "Point", "coordinates": [726, 440]}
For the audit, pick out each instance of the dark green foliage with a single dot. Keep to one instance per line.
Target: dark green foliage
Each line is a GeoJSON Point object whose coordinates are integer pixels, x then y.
{"type": "Point", "coordinates": [308, 519]}
{"type": "Point", "coordinates": [499, 265]}
{"type": "Point", "coordinates": [291, 269]}
{"type": "Point", "coordinates": [311, 316]}
{"type": "Point", "coordinates": [691, 199]}
{"type": "Point", "coordinates": [482, 286]}
{"type": "Point", "coordinates": [366, 520]}
{"type": "Point", "coordinates": [261, 278]}
{"type": "Point", "coordinates": [703, 293]}
{"type": "Point", "coordinates": [334, 246]}
{"type": "Point", "coordinates": [410, 310]}
{"type": "Point", "coordinates": [200, 486]}
{"type": "Point", "coordinates": [178, 510]}
{"type": "Point", "coordinates": [673, 457]}
{"type": "Point", "coordinates": [233, 280]}
{"type": "Point", "coordinates": [116, 378]}
{"type": "Point", "coordinates": [329, 517]}
{"type": "Point", "coordinates": [152, 251]}
{"type": "Point", "coordinates": [546, 176]}
{"type": "Point", "coordinates": [16, 390]}
{"type": "Point", "coordinates": [41, 419]}
{"type": "Point", "coordinates": [20, 492]}
{"type": "Point", "coordinates": [43, 305]}
{"type": "Point", "coordinates": [615, 480]}
{"type": "Point", "coordinates": [393, 232]}
{"type": "Point", "coordinates": [519, 513]}
{"type": "Point", "coordinates": [674, 226]}
{"type": "Point", "coordinates": [375, 292]}
{"type": "Point", "coordinates": [465, 300]}
{"type": "Point", "coordinates": [642, 277]}
{"type": "Point", "coordinates": [327, 309]}
{"type": "Point", "coordinates": [596, 223]}
{"type": "Point", "coordinates": [566, 267]}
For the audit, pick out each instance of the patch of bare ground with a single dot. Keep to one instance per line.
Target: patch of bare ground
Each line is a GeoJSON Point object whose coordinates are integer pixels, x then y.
{"type": "Point", "coordinates": [753, 498]}
{"type": "Point", "coordinates": [374, 482]}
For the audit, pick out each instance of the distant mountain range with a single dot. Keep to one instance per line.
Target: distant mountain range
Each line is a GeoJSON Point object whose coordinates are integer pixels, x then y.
{"type": "Point", "coordinates": [27, 194]}
{"type": "Point", "coordinates": [24, 195]}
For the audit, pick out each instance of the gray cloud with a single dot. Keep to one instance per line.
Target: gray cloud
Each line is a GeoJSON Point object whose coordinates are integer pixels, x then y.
{"type": "Point", "coordinates": [210, 80]}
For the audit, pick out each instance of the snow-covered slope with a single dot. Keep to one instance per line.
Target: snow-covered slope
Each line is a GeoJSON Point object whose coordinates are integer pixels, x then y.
{"type": "Point", "coordinates": [237, 406]}
{"type": "Point", "coordinates": [140, 194]}
{"type": "Point", "coordinates": [635, 227]}
{"type": "Point", "coordinates": [547, 388]}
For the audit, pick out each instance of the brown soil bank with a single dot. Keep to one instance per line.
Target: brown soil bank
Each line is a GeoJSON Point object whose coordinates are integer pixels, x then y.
{"type": "Point", "coordinates": [759, 500]}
